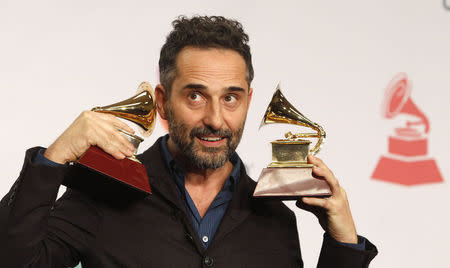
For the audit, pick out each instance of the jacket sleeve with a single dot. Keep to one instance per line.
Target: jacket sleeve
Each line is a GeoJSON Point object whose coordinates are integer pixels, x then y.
{"type": "Point", "coordinates": [36, 230]}
{"type": "Point", "coordinates": [337, 255]}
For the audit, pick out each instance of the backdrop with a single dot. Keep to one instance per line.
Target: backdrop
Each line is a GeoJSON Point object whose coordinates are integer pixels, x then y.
{"type": "Point", "coordinates": [336, 61]}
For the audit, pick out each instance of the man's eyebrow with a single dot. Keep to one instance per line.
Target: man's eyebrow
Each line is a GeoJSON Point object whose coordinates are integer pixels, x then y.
{"type": "Point", "coordinates": [234, 88]}
{"type": "Point", "coordinates": [195, 86]}
{"type": "Point", "coordinates": [203, 87]}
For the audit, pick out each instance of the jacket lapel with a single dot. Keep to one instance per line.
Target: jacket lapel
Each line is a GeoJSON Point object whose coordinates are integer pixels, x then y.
{"type": "Point", "coordinates": [239, 209]}
{"type": "Point", "coordinates": [161, 182]}
{"type": "Point", "coordinates": [159, 176]}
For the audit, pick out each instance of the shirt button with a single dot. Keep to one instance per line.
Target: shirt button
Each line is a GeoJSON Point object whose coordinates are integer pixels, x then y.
{"type": "Point", "coordinates": [205, 239]}
{"type": "Point", "coordinates": [208, 261]}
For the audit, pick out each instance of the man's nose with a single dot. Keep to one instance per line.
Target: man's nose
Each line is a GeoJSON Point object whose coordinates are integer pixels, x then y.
{"type": "Point", "coordinates": [213, 115]}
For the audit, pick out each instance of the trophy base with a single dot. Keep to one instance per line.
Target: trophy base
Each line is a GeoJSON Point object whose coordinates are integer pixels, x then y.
{"type": "Point", "coordinates": [127, 171]}
{"type": "Point", "coordinates": [413, 172]}
{"type": "Point", "coordinates": [290, 164]}
{"type": "Point", "coordinates": [290, 184]}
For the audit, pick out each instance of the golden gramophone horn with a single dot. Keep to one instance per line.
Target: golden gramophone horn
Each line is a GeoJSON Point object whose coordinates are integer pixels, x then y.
{"type": "Point", "coordinates": [280, 110]}
{"type": "Point", "coordinates": [139, 109]}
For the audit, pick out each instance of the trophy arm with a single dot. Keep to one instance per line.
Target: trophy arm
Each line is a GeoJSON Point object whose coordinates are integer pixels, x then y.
{"type": "Point", "coordinates": [321, 135]}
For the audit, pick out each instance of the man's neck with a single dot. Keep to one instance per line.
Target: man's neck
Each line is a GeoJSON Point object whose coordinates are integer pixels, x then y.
{"type": "Point", "coordinates": [209, 177]}
{"type": "Point", "coordinates": [203, 185]}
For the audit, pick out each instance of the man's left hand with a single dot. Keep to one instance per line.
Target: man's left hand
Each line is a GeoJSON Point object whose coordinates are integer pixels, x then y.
{"type": "Point", "coordinates": [333, 212]}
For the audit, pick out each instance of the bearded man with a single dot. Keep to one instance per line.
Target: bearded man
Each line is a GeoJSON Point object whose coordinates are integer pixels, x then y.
{"type": "Point", "coordinates": [201, 212]}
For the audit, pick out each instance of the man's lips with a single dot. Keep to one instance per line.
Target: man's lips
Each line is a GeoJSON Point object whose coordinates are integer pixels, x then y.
{"type": "Point", "coordinates": [211, 141]}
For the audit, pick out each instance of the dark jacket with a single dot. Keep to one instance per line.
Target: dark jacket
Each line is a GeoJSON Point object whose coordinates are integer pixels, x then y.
{"type": "Point", "coordinates": [103, 225]}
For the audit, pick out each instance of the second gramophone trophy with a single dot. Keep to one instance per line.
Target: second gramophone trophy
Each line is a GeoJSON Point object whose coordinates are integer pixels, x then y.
{"type": "Point", "coordinates": [141, 110]}
{"type": "Point", "coordinates": [289, 176]}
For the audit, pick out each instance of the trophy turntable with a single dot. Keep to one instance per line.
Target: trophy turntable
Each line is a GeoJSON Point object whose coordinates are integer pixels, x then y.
{"type": "Point", "coordinates": [289, 176]}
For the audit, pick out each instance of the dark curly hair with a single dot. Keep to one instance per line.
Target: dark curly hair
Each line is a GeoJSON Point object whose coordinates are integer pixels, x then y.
{"type": "Point", "coordinates": [202, 32]}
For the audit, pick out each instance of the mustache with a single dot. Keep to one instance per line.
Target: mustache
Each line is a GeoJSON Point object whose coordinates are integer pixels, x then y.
{"type": "Point", "coordinates": [199, 131]}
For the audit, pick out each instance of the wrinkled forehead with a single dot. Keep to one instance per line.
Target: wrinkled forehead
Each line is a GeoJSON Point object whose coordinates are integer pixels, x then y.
{"type": "Point", "coordinates": [211, 65]}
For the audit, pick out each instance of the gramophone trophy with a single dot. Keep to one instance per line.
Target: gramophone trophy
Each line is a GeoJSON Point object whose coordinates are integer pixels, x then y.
{"type": "Point", "coordinates": [289, 176]}
{"type": "Point", "coordinates": [140, 109]}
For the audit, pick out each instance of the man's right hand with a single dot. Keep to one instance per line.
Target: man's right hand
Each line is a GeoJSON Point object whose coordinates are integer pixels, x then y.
{"type": "Point", "coordinates": [91, 129]}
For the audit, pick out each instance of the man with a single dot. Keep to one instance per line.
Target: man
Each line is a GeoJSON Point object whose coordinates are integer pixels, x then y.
{"type": "Point", "coordinates": [201, 212]}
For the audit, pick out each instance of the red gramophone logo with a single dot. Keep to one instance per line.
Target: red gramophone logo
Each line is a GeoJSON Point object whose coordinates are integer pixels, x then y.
{"type": "Point", "coordinates": [407, 161]}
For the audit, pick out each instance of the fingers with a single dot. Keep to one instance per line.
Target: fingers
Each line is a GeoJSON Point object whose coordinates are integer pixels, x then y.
{"type": "Point", "coordinates": [102, 131]}
{"type": "Point", "coordinates": [318, 163]}
{"type": "Point", "coordinates": [315, 201]}
{"type": "Point", "coordinates": [311, 208]}
{"type": "Point", "coordinates": [91, 129]}
{"type": "Point", "coordinates": [110, 139]}
{"type": "Point", "coordinates": [321, 170]}
{"type": "Point", "coordinates": [116, 122]}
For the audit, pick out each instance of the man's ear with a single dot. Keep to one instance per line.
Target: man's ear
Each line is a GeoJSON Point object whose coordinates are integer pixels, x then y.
{"type": "Point", "coordinates": [161, 100]}
{"type": "Point", "coordinates": [250, 94]}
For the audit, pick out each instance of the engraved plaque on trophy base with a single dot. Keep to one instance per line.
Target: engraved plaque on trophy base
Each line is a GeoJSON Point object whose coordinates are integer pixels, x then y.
{"type": "Point", "coordinates": [290, 183]}
{"type": "Point", "coordinates": [125, 170]}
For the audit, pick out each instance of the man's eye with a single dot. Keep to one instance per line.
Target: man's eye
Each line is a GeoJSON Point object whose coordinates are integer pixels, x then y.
{"type": "Point", "coordinates": [230, 98]}
{"type": "Point", "coordinates": [194, 96]}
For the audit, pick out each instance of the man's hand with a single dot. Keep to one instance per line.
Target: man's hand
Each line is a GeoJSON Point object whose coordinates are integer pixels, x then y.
{"type": "Point", "coordinates": [91, 128]}
{"type": "Point", "coordinates": [333, 212]}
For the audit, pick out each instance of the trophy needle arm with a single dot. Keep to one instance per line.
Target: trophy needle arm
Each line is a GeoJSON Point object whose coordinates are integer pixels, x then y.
{"type": "Point", "coordinates": [321, 135]}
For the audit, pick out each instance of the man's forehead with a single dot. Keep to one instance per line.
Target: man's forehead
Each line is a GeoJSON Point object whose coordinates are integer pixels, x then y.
{"type": "Point", "coordinates": [211, 64]}
{"type": "Point", "coordinates": [210, 58]}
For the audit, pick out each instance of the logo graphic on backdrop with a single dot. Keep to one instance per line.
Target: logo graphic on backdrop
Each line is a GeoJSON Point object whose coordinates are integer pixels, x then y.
{"type": "Point", "coordinates": [407, 161]}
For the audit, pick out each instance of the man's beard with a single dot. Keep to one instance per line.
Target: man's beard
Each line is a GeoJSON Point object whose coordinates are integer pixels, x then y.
{"type": "Point", "coordinates": [196, 154]}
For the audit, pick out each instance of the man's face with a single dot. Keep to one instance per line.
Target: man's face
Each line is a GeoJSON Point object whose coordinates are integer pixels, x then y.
{"type": "Point", "coordinates": [208, 105]}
